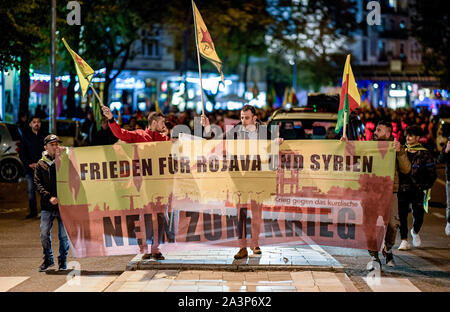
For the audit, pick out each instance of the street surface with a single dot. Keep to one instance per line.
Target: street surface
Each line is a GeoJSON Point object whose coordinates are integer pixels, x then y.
{"type": "Point", "coordinates": [418, 270]}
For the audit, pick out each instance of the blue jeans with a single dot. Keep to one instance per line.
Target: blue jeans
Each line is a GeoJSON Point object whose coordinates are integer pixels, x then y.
{"type": "Point", "coordinates": [47, 218]}
{"type": "Point", "coordinates": [31, 187]}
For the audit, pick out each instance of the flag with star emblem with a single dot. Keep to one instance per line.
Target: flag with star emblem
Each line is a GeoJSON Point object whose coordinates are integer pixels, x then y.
{"type": "Point", "coordinates": [84, 71]}
{"type": "Point", "coordinates": [204, 42]}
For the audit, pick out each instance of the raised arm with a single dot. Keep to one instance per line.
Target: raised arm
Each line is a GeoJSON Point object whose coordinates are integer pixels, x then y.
{"type": "Point", "coordinates": [121, 134]}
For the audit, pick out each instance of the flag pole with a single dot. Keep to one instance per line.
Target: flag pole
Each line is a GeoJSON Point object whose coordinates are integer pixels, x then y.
{"type": "Point", "coordinates": [198, 58]}
{"type": "Point", "coordinates": [344, 135]}
{"type": "Point", "coordinates": [95, 92]}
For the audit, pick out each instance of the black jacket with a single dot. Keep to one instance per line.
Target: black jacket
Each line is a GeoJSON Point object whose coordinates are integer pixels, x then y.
{"type": "Point", "coordinates": [423, 172]}
{"type": "Point", "coordinates": [238, 133]}
{"type": "Point", "coordinates": [103, 137]}
{"type": "Point", "coordinates": [31, 148]}
{"type": "Point", "coordinates": [45, 180]}
{"type": "Point", "coordinates": [444, 158]}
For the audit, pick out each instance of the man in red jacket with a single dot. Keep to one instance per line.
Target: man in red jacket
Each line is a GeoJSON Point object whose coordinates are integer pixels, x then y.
{"type": "Point", "coordinates": [155, 132]}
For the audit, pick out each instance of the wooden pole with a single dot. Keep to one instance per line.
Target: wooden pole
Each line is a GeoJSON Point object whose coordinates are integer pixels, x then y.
{"type": "Point", "coordinates": [95, 92]}
{"type": "Point", "coordinates": [198, 59]}
{"type": "Point", "coordinates": [344, 135]}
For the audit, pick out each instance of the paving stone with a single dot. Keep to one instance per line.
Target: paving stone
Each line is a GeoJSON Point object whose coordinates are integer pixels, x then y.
{"type": "Point", "coordinates": [6, 283]}
{"type": "Point", "coordinates": [307, 289]}
{"type": "Point", "coordinates": [390, 284]}
{"type": "Point", "coordinates": [264, 289]}
{"type": "Point", "coordinates": [96, 283]}
{"type": "Point", "coordinates": [210, 288]}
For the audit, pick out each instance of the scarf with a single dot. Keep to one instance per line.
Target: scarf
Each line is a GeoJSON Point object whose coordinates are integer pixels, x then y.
{"type": "Point", "coordinates": [46, 159]}
{"type": "Point", "coordinates": [415, 147]}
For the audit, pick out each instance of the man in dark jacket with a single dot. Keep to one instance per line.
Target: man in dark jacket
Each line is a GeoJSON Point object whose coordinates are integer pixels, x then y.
{"type": "Point", "coordinates": [414, 185]}
{"type": "Point", "coordinates": [249, 128]}
{"type": "Point", "coordinates": [30, 151]}
{"type": "Point", "coordinates": [444, 157]}
{"type": "Point", "coordinates": [104, 136]}
{"type": "Point", "coordinates": [45, 180]}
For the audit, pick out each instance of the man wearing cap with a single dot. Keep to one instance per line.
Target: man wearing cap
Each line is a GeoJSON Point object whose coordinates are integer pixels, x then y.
{"type": "Point", "coordinates": [45, 180]}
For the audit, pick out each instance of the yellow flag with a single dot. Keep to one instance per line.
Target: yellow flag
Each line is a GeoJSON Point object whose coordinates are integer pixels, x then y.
{"type": "Point", "coordinates": [84, 71]}
{"type": "Point", "coordinates": [157, 108]}
{"type": "Point", "coordinates": [285, 98]}
{"type": "Point", "coordinates": [204, 42]}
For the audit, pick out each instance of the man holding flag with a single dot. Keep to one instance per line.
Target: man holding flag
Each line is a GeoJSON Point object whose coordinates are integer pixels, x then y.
{"type": "Point", "coordinates": [154, 132]}
{"type": "Point", "coordinates": [349, 101]}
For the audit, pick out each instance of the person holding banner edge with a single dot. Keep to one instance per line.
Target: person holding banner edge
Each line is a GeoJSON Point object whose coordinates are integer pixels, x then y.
{"type": "Point", "coordinates": [154, 133]}
{"type": "Point", "coordinates": [45, 181]}
{"type": "Point", "coordinates": [247, 128]}
{"type": "Point", "coordinates": [383, 132]}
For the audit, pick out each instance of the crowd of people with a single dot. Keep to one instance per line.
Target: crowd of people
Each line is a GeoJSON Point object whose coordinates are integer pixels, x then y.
{"type": "Point", "coordinates": [413, 133]}
{"type": "Point", "coordinates": [401, 118]}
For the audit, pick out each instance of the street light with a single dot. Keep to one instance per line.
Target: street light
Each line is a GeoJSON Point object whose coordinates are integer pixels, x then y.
{"type": "Point", "coordinates": [52, 108]}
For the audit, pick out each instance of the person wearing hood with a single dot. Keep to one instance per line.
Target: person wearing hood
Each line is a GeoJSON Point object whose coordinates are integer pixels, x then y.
{"type": "Point", "coordinates": [414, 187]}
{"type": "Point", "coordinates": [45, 181]}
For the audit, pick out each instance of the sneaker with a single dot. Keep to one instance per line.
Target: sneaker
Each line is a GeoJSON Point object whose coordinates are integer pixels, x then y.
{"type": "Point", "coordinates": [404, 245]}
{"type": "Point", "coordinates": [390, 259]}
{"type": "Point", "coordinates": [146, 256]}
{"type": "Point", "coordinates": [46, 265]}
{"type": "Point", "coordinates": [242, 253]}
{"type": "Point", "coordinates": [62, 266]}
{"type": "Point", "coordinates": [374, 264]}
{"type": "Point", "coordinates": [31, 215]}
{"type": "Point", "coordinates": [256, 251]}
{"type": "Point", "coordinates": [158, 256]}
{"type": "Point", "coordinates": [447, 229]}
{"type": "Point", "coordinates": [416, 239]}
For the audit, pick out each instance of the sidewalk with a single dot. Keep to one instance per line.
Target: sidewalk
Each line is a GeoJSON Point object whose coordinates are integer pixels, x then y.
{"type": "Point", "coordinates": [305, 257]}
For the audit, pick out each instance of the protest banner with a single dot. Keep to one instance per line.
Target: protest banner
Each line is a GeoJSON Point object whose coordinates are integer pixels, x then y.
{"type": "Point", "coordinates": [116, 199]}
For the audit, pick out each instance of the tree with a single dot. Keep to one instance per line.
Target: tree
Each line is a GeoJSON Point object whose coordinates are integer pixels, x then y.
{"type": "Point", "coordinates": [24, 25]}
{"type": "Point", "coordinates": [236, 27]}
{"type": "Point", "coordinates": [430, 25]}
{"type": "Point", "coordinates": [313, 34]}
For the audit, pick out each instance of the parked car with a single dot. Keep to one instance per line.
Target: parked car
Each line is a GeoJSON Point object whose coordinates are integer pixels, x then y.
{"type": "Point", "coordinates": [11, 167]}
{"type": "Point", "coordinates": [68, 130]}
{"type": "Point", "coordinates": [305, 124]}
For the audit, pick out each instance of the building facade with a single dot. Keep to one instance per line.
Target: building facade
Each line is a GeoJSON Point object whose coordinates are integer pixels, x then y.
{"type": "Point", "coordinates": [387, 60]}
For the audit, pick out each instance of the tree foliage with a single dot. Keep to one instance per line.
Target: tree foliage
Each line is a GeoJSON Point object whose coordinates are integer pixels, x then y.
{"type": "Point", "coordinates": [314, 35]}
{"type": "Point", "coordinates": [431, 27]}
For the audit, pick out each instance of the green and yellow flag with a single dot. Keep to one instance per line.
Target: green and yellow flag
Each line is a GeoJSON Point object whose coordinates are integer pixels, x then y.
{"type": "Point", "coordinates": [350, 98]}
{"type": "Point", "coordinates": [204, 42]}
{"type": "Point", "coordinates": [157, 108]}
{"type": "Point", "coordinates": [84, 71]}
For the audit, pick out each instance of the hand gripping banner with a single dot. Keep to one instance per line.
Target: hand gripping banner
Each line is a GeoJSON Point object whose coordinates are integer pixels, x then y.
{"type": "Point", "coordinates": [120, 199]}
